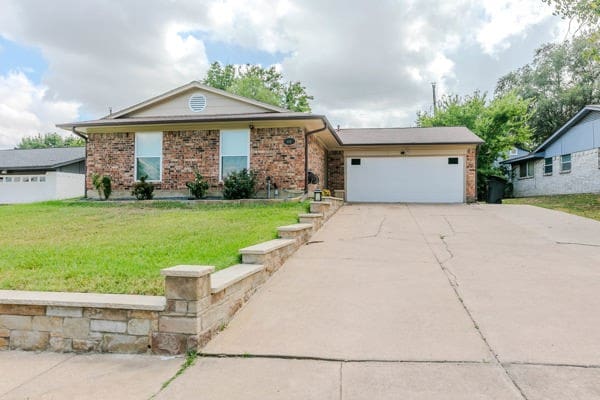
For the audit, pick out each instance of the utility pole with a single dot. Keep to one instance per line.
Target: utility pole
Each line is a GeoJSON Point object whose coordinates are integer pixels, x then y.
{"type": "Point", "coordinates": [434, 98]}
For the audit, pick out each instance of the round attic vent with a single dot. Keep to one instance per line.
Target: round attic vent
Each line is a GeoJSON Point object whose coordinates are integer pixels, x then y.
{"type": "Point", "coordinates": [197, 102]}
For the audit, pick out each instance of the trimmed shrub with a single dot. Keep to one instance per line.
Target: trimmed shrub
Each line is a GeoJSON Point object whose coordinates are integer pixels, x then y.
{"type": "Point", "coordinates": [239, 185]}
{"type": "Point", "coordinates": [143, 190]}
{"type": "Point", "coordinates": [198, 186]}
{"type": "Point", "coordinates": [103, 185]}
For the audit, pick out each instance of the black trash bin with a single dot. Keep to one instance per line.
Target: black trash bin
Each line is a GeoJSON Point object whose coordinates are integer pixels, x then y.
{"type": "Point", "coordinates": [495, 192]}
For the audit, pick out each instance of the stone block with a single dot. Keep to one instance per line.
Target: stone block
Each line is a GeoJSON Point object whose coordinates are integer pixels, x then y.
{"type": "Point", "coordinates": [125, 344]}
{"type": "Point", "coordinates": [3, 343]}
{"type": "Point", "coordinates": [183, 288]}
{"type": "Point", "coordinates": [22, 309]}
{"type": "Point", "coordinates": [139, 326]}
{"type": "Point", "coordinates": [85, 346]}
{"type": "Point", "coordinates": [177, 307]}
{"type": "Point", "coordinates": [20, 322]}
{"type": "Point", "coordinates": [60, 344]}
{"type": "Point", "coordinates": [47, 324]}
{"type": "Point", "coordinates": [105, 313]}
{"type": "Point", "coordinates": [29, 340]}
{"type": "Point", "coordinates": [169, 343]}
{"type": "Point", "coordinates": [74, 312]}
{"type": "Point", "coordinates": [178, 325]}
{"type": "Point", "coordinates": [76, 328]}
{"type": "Point", "coordinates": [142, 314]}
{"type": "Point", "coordinates": [101, 325]}
{"type": "Point", "coordinates": [195, 307]}
{"type": "Point", "coordinates": [4, 332]}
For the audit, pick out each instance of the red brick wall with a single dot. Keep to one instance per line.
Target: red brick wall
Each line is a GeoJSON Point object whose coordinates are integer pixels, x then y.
{"type": "Point", "coordinates": [269, 156]}
{"type": "Point", "coordinates": [111, 154]}
{"type": "Point", "coordinates": [471, 171]}
{"type": "Point", "coordinates": [317, 162]}
{"type": "Point", "coordinates": [335, 170]}
{"type": "Point", "coordinates": [187, 151]}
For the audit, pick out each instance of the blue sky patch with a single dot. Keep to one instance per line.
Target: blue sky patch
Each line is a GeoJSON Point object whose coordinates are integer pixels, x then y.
{"type": "Point", "coordinates": [29, 60]}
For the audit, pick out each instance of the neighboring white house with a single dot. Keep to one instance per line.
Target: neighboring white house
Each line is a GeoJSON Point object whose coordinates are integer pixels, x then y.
{"type": "Point", "coordinates": [567, 162]}
{"type": "Point", "coordinates": [31, 175]}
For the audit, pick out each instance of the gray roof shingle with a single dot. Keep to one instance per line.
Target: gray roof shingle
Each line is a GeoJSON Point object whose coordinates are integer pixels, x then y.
{"type": "Point", "coordinates": [383, 136]}
{"type": "Point", "coordinates": [24, 159]}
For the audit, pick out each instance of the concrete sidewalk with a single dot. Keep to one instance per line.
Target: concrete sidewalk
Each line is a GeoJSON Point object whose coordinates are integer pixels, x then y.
{"type": "Point", "coordinates": [28, 375]}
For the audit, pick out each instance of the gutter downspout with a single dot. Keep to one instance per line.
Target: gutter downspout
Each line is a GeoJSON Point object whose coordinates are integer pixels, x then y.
{"type": "Point", "coordinates": [306, 135]}
{"type": "Point", "coordinates": [85, 178]}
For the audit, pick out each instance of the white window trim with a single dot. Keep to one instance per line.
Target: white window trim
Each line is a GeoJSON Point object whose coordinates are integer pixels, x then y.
{"type": "Point", "coordinates": [513, 152]}
{"type": "Point", "coordinates": [551, 166]}
{"type": "Point", "coordinates": [562, 163]}
{"type": "Point", "coordinates": [135, 157]}
{"type": "Point", "coordinates": [247, 131]}
{"type": "Point", "coordinates": [529, 173]}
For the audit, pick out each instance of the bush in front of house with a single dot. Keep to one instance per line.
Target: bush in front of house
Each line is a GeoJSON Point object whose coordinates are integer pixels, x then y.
{"type": "Point", "coordinates": [239, 185]}
{"type": "Point", "coordinates": [103, 185]}
{"type": "Point", "coordinates": [198, 186]}
{"type": "Point", "coordinates": [143, 190]}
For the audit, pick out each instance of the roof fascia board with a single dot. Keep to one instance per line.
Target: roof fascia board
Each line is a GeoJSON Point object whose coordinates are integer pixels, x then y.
{"type": "Point", "coordinates": [570, 123]}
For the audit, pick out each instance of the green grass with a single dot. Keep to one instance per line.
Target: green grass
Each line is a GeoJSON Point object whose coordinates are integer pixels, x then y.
{"type": "Point", "coordinates": [121, 247]}
{"type": "Point", "coordinates": [586, 205]}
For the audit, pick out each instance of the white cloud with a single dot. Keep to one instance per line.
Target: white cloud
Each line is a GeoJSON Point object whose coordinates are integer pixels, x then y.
{"type": "Point", "coordinates": [25, 109]}
{"type": "Point", "coordinates": [504, 19]}
{"type": "Point", "coordinates": [365, 63]}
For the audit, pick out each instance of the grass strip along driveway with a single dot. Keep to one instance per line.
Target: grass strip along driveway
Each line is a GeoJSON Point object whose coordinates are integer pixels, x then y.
{"type": "Point", "coordinates": [120, 248]}
{"type": "Point", "coordinates": [585, 205]}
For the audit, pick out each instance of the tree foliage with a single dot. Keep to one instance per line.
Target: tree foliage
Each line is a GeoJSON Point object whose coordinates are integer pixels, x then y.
{"type": "Point", "coordinates": [559, 82]}
{"type": "Point", "coordinates": [262, 84]}
{"type": "Point", "coordinates": [40, 141]}
{"type": "Point", "coordinates": [502, 123]}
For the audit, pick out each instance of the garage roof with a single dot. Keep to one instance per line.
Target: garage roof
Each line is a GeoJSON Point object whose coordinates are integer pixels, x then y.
{"type": "Point", "coordinates": [28, 159]}
{"type": "Point", "coordinates": [384, 136]}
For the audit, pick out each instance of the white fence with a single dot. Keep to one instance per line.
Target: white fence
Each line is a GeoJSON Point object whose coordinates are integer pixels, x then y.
{"type": "Point", "coordinates": [29, 188]}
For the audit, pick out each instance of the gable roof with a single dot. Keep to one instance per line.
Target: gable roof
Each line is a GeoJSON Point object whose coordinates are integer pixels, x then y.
{"type": "Point", "coordinates": [186, 87]}
{"type": "Point", "coordinates": [570, 123]}
{"type": "Point", "coordinates": [387, 136]}
{"type": "Point", "coordinates": [29, 159]}
{"type": "Point", "coordinates": [538, 152]}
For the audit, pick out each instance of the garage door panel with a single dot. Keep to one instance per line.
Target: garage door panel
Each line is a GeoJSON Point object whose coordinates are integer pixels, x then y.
{"type": "Point", "coordinates": [405, 179]}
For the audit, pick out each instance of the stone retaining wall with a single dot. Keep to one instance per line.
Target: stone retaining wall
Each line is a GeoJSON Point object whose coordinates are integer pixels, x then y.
{"type": "Point", "coordinates": [198, 303]}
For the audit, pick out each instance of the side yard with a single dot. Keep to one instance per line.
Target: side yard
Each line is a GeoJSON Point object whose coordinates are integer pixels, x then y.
{"type": "Point", "coordinates": [585, 205]}
{"type": "Point", "coordinates": [120, 248]}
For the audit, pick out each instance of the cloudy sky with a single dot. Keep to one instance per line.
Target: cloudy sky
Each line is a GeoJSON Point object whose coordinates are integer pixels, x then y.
{"type": "Point", "coordinates": [367, 63]}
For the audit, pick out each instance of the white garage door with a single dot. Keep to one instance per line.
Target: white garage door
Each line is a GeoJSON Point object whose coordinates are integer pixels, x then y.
{"type": "Point", "coordinates": [405, 179]}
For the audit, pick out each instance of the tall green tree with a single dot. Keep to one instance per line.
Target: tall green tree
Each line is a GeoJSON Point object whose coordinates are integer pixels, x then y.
{"type": "Point", "coordinates": [586, 15]}
{"type": "Point", "coordinates": [559, 82]}
{"type": "Point", "coordinates": [502, 123]}
{"type": "Point", "coordinates": [40, 141]}
{"type": "Point", "coordinates": [262, 84]}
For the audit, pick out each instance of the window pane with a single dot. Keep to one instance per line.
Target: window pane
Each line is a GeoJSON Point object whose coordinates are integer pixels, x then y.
{"type": "Point", "coordinates": [148, 144]}
{"type": "Point", "coordinates": [233, 163]}
{"type": "Point", "coordinates": [150, 167]}
{"type": "Point", "coordinates": [547, 165]}
{"type": "Point", "coordinates": [234, 143]}
{"type": "Point", "coordinates": [523, 170]}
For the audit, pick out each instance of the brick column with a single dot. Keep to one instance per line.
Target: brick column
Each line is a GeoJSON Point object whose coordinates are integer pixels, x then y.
{"type": "Point", "coordinates": [187, 290]}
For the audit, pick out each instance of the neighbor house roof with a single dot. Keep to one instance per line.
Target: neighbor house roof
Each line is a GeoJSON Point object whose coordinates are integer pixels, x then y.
{"type": "Point", "coordinates": [387, 136]}
{"type": "Point", "coordinates": [30, 159]}
{"type": "Point", "coordinates": [538, 152]}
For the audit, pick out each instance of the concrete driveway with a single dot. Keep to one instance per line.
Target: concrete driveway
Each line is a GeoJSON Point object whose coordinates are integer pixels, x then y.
{"type": "Point", "coordinates": [420, 302]}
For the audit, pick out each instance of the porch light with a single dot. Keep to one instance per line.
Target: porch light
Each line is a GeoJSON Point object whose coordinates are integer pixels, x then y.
{"type": "Point", "coordinates": [318, 195]}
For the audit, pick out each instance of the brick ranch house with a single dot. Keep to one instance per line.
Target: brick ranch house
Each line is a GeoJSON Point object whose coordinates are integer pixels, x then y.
{"type": "Point", "coordinates": [196, 127]}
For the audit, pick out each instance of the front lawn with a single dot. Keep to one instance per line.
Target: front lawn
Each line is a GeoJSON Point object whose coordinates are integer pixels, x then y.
{"type": "Point", "coordinates": [585, 205]}
{"type": "Point", "coordinates": [120, 248]}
